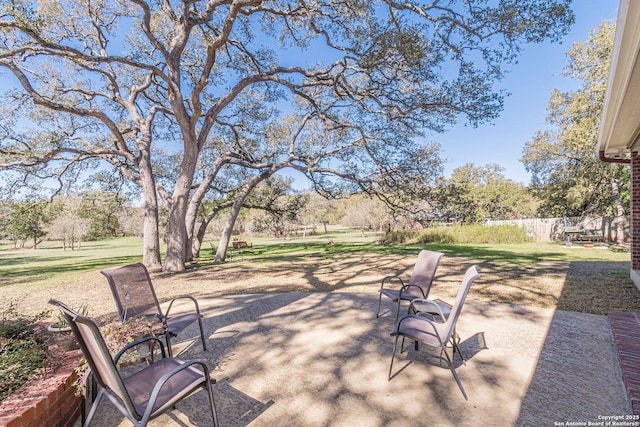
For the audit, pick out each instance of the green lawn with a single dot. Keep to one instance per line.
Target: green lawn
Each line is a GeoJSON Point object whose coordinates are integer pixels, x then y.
{"type": "Point", "coordinates": [49, 264]}
{"type": "Point", "coordinates": [536, 274]}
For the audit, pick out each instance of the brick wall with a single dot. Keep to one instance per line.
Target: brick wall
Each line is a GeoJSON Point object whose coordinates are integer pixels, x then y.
{"type": "Point", "coordinates": [635, 211]}
{"type": "Point", "coordinates": [50, 401]}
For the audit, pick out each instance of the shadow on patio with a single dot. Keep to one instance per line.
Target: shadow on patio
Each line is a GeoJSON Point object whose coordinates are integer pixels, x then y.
{"type": "Point", "coordinates": [577, 377]}
{"type": "Point", "coordinates": [317, 359]}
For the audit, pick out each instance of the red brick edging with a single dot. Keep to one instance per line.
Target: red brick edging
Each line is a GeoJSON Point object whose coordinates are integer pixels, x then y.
{"type": "Point", "coordinates": [48, 402]}
{"type": "Point", "coordinates": [626, 337]}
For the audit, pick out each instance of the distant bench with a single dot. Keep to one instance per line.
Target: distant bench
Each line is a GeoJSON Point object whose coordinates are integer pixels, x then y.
{"type": "Point", "coordinates": [579, 234]}
{"type": "Point", "coordinates": [592, 236]}
{"type": "Point", "coordinates": [238, 247]}
{"type": "Point", "coordinates": [241, 244]}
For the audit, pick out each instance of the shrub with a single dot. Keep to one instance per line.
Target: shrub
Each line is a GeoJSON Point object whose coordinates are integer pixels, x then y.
{"type": "Point", "coordinates": [400, 236]}
{"type": "Point", "coordinates": [23, 348]}
{"type": "Point", "coordinates": [464, 234]}
{"type": "Point", "coordinates": [61, 320]}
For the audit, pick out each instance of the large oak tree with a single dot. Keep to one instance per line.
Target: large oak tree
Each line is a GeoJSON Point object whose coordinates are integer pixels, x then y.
{"type": "Point", "coordinates": [145, 86]}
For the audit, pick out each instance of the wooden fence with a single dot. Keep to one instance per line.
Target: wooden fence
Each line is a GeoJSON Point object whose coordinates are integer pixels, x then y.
{"type": "Point", "coordinates": [552, 229]}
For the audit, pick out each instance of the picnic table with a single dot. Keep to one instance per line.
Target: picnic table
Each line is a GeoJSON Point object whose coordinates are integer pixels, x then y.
{"type": "Point", "coordinates": [580, 234]}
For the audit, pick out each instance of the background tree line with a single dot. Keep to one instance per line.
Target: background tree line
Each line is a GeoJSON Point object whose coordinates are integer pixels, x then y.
{"type": "Point", "coordinates": [70, 219]}
{"type": "Point", "coordinates": [273, 209]}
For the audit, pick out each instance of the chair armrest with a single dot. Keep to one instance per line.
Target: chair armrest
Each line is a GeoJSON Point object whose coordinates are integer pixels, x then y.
{"type": "Point", "coordinates": [137, 343]}
{"type": "Point", "coordinates": [195, 302]}
{"type": "Point", "coordinates": [414, 316]}
{"type": "Point", "coordinates": [429, 303]}
{"type": "Point", "coordinates": [159, 317]}
{"type": "Point", "coordinates": [422, 319]}
{"type": "Point", "coordinates": [163, 379]}
{"type": "Point", "coordinates": [389, 278]}
{"type": "Point", "coordinates": [407, 286]}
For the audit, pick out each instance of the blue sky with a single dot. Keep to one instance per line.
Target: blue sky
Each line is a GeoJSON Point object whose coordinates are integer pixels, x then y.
{"type": "Point", "coordinates": [530, 83]}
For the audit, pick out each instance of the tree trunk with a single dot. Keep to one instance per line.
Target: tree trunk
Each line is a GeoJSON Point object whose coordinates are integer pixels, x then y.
{"type": "Point", "coordinates": [192, 247]}
{"type": "Point", "coordinates": [193, 243]}
{"type": "Point", "coordinates": [176, 234]}
{"type": "Point", "coordinates": [151, 240]}
{"type": "Point", "coordinates": [619, 219]}
{"type": "Point", "coordinates": [196, 245]}
{"type": "Point", "coordinates": [194, 240]}
{"type": "Point", "coordinates": [198, 239]}
{"type": "Point", "coordinates": [177, 230]}
{"type": "Point", "coordinates": [221, 253]}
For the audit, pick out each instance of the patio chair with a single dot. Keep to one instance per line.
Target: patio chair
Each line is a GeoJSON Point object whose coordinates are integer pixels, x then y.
{"type": "Point", "coordinates": [134, 297]}
{"type": "Point", "coordinates": [419, 283]}
{"type": "Point", "coordinates": [145, 394]}
{"type": "Point", "coordinates": [436, 332]}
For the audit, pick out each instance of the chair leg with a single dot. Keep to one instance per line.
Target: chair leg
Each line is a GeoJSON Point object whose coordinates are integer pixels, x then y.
{"type": "Point", "coordinates": [393, 355]}
{"type": "Point", "coordinates": [212, 404]}
{"type": "Point", "coordinates": [398, 310]}
{"type": "Point", "coordinates": [456, 347]}
{"type": "Point", "coordinates": [167, 338]}
{"type": "Point", "coordinates": [204, 344]}
{"type": "Point", "coordinates": [379, 303]}
{"type": "Point", "coordinates": [455, 375]}
{"type": "Point", "coordinates": [92, 412]}
{"type": "Point", "coordinates": [402, 345]}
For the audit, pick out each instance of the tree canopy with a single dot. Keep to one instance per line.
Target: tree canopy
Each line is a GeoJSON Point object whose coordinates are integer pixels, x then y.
{"type": "Point", "coordinates": [477, 193]}
{"type": "Point", "coordinates": [567, 174]}
{"type": "Point", "coordinates": [169, 92]}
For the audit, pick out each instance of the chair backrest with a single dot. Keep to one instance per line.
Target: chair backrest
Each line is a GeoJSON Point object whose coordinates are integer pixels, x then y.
{"type": "Point", "coordinates": [446, 329]}
{"type": "Point", "coordinates": [132, 291]}
{"type": "Point", "coordinates": [425, 270]}
{"type": "Point", "coordinates": [96, 353]}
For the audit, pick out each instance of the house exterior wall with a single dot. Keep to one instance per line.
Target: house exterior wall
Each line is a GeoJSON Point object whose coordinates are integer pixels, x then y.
{"type": "Point", "coordinates": [635, 218]}
{"type": "Point", "coordinates": [635, 211]}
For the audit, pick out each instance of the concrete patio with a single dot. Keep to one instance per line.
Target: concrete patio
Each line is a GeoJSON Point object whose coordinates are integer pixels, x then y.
{"type": "Point", "coordinates": [320, 359]}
